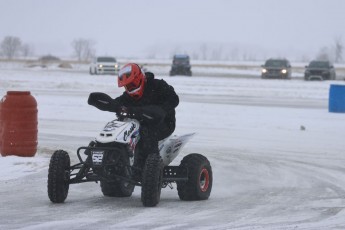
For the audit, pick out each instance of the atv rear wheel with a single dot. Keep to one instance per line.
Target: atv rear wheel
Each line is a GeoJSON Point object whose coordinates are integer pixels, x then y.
{"type": "Point", "coordinates": [199, 184]}
{"type": "Point", "coordinates": [58, 176]}
{"type": "Point", "coordinates": [152, 180]}
{"type": "Point", "coordinates": [117, 189]}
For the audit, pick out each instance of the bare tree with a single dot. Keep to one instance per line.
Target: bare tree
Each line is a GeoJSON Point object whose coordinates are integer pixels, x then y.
{"type": "Point", "coordinates": [83, 49]}
{"type": "Point", "coordinates": [152, 52]}
{"type": "Point", "coordinates": [27, 50]}
{"type": "Point", "coordinates": [323, 54]}
{"type": "Point", "coordinates": [204, 51]}
{"type": "Point", "coordinates": [217, 53]}
{"type": "Point", "coordinates": [338, 50]}
{"type": "Point", "coordinates": [10, 46]}
{"type": "Point", "coordinates": [195, 55]}
{"type": "Point", "coordinates": [234, 54]}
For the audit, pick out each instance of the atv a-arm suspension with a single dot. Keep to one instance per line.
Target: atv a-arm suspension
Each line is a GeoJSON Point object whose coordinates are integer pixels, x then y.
{"type": "Point", "coordinates": [85, 167]}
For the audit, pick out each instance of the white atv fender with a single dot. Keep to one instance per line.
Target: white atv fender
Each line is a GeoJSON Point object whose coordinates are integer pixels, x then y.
{"type": "Point", "coordinates": [124, 132]}
{"type": "Point", "coordinates": [127, 132]}
{"type": "Point", "coordinates": [171, 146]}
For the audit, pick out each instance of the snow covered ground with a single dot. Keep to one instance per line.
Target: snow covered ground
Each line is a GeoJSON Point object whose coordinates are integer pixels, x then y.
{"type": "Point", "coordinates": [268, 172]}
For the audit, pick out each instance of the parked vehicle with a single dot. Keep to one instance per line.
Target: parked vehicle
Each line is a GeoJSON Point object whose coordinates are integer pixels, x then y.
{"type": "Point", "coordinates": [104, 65]}
{"type": "Point", "coordinates": [181, 65]}
{"type": "Point", "coordinates": [319, 70]}
{"type": "Point", "coordinates": [276, 68]}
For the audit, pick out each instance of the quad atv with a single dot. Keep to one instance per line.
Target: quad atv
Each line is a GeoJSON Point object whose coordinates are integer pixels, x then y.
{"type": "Point", "coordinates": [109, 159]}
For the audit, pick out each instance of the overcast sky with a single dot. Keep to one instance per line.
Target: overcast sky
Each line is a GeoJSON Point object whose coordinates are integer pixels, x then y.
{"type": "Point", "coordinates": [141, 27]}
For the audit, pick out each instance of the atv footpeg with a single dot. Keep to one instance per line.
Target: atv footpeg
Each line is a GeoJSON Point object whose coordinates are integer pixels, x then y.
{"type": "Point", "coordinates": [174, 173]}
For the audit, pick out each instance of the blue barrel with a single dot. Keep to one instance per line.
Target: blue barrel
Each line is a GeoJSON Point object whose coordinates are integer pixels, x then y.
{"type": "Point", "coordinates": [337, 99]}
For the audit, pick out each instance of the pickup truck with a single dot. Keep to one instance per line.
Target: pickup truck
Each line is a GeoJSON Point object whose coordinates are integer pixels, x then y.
{"type": "Point", "coordinates": [104, 65]}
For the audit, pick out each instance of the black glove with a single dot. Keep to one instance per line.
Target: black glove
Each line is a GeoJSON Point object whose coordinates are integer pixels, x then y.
{"type": "Point", "coordinates": [101, 101]}
{"type": "Point", "coordinates": [150, 114]}
{"type": "Point", "coordinates": [127, 112]}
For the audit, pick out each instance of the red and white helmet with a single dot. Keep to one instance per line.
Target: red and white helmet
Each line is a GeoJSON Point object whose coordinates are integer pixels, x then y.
{"type": "Point", "coordinates": [133, 79]}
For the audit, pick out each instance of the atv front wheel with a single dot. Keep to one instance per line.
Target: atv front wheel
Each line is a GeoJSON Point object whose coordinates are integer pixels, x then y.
{"type": "Point", "coordinates": [58, 176]}
{"type": "Point", "coordinates": [117, 189]}
{"type": "Point", "coordinates": [199, 184]}
{"type": "Point", "coordinates": [152, 180]}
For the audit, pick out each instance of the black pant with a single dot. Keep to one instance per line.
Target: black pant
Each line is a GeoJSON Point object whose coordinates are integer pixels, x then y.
{"type": "Point", "coordinates": [149, 137]}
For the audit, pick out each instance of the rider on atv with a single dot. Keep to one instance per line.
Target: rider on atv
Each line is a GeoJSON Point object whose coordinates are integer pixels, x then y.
{"type": "Point", "coordinates": [151, 101]}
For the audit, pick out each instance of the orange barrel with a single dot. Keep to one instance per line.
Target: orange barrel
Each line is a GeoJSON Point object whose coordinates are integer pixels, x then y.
{"type": "Point", "coordinates": [18, 124]}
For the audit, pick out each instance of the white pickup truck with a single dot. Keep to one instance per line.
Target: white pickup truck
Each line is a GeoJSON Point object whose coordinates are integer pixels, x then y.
{"type": "Point", "coordinates": [104, 65]}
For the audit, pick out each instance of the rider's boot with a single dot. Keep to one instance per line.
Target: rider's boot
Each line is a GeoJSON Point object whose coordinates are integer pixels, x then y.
{"type": "Point", "coordinates": [138, 166]}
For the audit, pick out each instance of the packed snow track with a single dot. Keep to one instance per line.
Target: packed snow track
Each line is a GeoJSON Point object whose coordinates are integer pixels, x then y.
{"type": "Point", "coordinates": [276, 152]}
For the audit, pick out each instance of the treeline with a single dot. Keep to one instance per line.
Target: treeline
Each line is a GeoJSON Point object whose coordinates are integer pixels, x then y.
{"type": "Point", "coordinates": [84, 50]}
{"type": "Point", "coordinates": [232, 52]}
{"type": "Point", "coordinates": [13, 47]}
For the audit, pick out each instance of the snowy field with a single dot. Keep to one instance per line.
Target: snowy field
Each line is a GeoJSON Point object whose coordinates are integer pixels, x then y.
{"type": "Point", "coordinates": [268, 172]}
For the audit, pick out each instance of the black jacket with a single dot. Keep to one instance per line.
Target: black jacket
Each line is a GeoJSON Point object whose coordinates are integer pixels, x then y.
{"type": "Point", "coordinates": [158, 98]}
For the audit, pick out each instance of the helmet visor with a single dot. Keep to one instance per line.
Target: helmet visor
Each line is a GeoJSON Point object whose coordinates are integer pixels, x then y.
{"type": "Point", "coordinates": [125, 73]}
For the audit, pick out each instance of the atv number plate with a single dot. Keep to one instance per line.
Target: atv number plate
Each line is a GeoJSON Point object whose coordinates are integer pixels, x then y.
{"type": "Point", "coordinates": [97, 157]}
